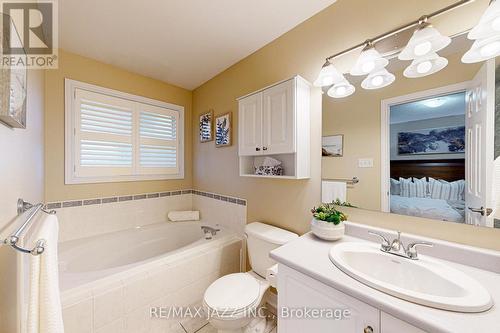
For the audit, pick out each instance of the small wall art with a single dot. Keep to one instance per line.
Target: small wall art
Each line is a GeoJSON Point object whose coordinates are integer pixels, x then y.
{"type": "Point", "coordinates": [223, 130]}
{"type": "Point", "coordinates": [207, 126]}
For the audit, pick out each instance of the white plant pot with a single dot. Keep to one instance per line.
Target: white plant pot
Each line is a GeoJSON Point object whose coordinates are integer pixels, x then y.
{"type": "Point", "coordinates": [327, 230]}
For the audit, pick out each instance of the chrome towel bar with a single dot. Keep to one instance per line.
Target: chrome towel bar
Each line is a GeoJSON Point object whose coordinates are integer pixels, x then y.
{"type": "Point", "coordinates": [31, 211]}
{"type": "Point", "coordinates": [352, 181]}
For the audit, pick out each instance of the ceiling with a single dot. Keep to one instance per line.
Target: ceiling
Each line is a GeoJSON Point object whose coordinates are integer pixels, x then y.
{"type": "Point", "coordinates": [436, 107]}
{"type": "Point", "coordinates": [182, 42]}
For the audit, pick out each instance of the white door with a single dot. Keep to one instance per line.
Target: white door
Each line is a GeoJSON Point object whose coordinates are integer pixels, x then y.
{"type": "Point", "coordinates": [250, 125]}
{"type": "Point", "coordinates": [479, 137]}
{"type": "Point", "coordinates": [278, 119]}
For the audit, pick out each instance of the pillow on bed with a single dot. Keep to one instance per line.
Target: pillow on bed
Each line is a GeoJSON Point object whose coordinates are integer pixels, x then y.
{"type": "Point", "coordinates": [395, 187]}
{"type": "Point", "coordinates": [441, 189]}
{"type": "Point", "coordinates": [420, 186]}
{"type": "Point", "coordinates": [407, 187]}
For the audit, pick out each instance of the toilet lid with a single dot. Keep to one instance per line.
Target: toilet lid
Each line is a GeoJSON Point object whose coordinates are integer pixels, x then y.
{"type": "Point", "coordinates": [232, 292]}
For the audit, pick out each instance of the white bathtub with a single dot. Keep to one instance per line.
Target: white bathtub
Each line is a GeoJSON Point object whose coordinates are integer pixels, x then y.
{"type": "Point", "coordinates": [161, 260]}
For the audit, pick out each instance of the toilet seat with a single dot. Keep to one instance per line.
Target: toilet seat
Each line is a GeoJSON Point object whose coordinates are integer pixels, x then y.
{"type": "Point", "coordinates": [233, 294]}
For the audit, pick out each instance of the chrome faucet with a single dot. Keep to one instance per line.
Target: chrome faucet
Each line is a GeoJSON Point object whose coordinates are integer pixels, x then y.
{"type": "Point", "coordinates": [209, 231]}
{"type": "Point", "coordinates": [397, 247]}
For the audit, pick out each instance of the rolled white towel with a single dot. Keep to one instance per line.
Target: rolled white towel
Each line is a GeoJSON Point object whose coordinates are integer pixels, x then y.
{"type": "Point", "coordinates": [186, 215]}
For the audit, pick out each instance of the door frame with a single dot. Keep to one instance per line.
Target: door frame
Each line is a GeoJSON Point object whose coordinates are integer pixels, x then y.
{"type": "Point", "coordinates": [385, 149]}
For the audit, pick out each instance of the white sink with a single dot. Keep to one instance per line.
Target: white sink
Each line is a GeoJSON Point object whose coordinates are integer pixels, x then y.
{"type": "Point", "coordinates": [424, 281]}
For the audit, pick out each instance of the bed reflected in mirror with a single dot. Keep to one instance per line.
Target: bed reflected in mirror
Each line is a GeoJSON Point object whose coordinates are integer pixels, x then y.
{"type": "Point", "coordinates": [421, 147]}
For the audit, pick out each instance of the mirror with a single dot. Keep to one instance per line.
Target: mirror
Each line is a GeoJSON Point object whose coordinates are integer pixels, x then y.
{"type": "Point", "coordinates": [422, 147]}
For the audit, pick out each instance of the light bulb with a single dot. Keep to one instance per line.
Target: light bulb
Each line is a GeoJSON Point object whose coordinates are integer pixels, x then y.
{"type": "Point", "coordinates": [423, 48]}
{"type": "Point", "coordinates": [340, 90]}
{"type": "Point", "coordinates": [368, 66]}
{"type": "Point", "coordinates": [495, 25]}
{"type": "Point", "coordinates": [490, 49]}
{"type": "Point", "coordinates": [377, 81]}
{"type": "Point", "coordinates": [424, 67]}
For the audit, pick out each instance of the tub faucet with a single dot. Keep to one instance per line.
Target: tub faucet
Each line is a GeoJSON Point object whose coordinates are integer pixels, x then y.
{"type": "Point", "coordinates": [209, 231]}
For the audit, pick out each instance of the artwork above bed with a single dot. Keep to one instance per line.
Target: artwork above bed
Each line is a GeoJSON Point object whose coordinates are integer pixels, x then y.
{"type": "Point", "coordinates": [447, 140]}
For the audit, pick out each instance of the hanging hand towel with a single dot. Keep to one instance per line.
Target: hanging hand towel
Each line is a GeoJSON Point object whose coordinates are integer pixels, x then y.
{"type": "Point", "coordinates": [44, 308]}
{"type": "Point", "coordinates": [331, 191]}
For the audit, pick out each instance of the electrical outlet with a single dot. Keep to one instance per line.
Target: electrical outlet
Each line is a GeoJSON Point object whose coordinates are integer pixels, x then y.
{"type": "Point", "coordinates": [365, 163]}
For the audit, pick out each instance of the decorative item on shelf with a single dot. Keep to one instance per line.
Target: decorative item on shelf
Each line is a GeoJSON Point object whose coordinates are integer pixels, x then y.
{"type": "Point", "coordinates": [328, 222]}
{"type": "Point", "coordinates": [223, 130]}
{"type": "Point", "coordinates": [207, 126]}
{"type": "Point", "coordinates": [268, 166]}
{"type": "Point", "coordinates": [332, 145]}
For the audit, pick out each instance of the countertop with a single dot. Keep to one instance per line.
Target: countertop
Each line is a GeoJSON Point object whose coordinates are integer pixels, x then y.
{"type": "Point", "coordinates": [309, 255]}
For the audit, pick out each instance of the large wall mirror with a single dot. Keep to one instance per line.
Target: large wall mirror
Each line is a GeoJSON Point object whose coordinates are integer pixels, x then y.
{"type": "Point", "coordinates": [422, 147]}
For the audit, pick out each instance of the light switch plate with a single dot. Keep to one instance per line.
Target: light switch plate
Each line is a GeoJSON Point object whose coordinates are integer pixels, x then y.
{"type": "Point", "coordinates": [365, 163]}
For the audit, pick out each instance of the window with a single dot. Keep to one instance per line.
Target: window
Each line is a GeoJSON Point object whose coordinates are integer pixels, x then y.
{"type": "Point", "coordinates": [114, 136]}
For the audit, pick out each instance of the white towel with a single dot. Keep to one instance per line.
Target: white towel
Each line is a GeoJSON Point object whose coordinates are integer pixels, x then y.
{"type": "Point", "coordinates": [266, 161]}
{"type": "Point", "coordinates": [187, 215]}
{"type": "Point", "coordinates": [44, 308]}
{"type": "Point", "coordinates": [331, 191]}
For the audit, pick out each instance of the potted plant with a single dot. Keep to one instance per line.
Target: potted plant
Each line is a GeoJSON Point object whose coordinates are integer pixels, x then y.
{"type": "Point", "coordinates": [327, 222]}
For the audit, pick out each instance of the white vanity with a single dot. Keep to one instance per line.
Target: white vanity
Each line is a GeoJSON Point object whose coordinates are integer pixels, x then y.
{"type": "Point", "coordinates": [308, 279]}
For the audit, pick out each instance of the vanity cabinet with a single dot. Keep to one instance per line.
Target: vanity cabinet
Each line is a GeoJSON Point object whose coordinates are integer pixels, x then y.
{"type": "Point", "coordinates": [298, 292]}
{"type": "Point", "coordinates": [275, 122]}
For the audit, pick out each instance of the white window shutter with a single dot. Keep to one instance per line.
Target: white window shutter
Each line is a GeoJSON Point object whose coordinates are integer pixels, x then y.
{"type": "Point", "coordinates": [158, 142]}
{"type": "Point", "coordinates": [115, 136]}
{"type": "Point", "coordinates": [103, 135]}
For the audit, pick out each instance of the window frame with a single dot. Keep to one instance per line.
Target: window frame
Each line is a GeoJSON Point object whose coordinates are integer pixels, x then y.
{"type": "Point", "coordinates": [70, 159]}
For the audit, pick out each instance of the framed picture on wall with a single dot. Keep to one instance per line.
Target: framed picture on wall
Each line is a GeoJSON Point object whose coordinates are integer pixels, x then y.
{"type": "Point", "coordinates": [223, 130]}
{"type": "Point", "coordinates": [446, 140]}
{"type": "Point", "coordinates": [207, 126]}
{"type": "Point", "coordinates": [332, 146]}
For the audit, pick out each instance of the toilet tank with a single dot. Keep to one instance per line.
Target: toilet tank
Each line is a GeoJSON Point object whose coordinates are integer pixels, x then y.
{"type": "Point", "coordinates": [262, 239]}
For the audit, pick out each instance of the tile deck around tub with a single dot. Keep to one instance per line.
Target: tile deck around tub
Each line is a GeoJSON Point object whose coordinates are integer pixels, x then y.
{"type": "Point", "coordinates": [143, 196]}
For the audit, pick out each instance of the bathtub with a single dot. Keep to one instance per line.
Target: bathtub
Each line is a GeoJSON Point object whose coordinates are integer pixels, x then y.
{"type": "Point", "coordinates": [135, 269]}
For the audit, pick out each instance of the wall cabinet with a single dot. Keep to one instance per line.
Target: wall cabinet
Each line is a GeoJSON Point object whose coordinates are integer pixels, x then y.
{"type": "Point", "coordinates": [300, 295]}
{"type": "Point", "coordinates": [275, 121]}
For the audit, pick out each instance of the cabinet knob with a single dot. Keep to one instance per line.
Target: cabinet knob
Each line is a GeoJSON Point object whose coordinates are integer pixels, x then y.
{"type": "Point", "coordinates": [368, 329]}
{"type": "Point", "coordinates": [265, 148]}
{"type": "Point", "coordinates": [257, 149]}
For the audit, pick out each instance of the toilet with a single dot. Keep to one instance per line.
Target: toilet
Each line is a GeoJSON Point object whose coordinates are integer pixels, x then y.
{"type": "Point", "coordinates": [233, 301]}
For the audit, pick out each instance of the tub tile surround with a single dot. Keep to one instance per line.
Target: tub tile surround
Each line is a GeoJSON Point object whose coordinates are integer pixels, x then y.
{"type": "Point", "coordinates": [123, 303]}
{"type": "Point", "coordinates": [90, 217]}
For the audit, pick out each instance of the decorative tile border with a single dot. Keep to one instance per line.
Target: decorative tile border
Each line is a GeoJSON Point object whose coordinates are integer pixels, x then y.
{"type": "Point", "coordinates": [220, 197]}
{"type": "Point", "coordinates": [88, 202]}
{"type": "Point", "coordinates": [99, 201]}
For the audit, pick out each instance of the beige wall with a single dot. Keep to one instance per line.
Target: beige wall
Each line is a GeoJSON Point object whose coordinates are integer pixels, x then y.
{"type": "Point", "coordinates": [302, 51]}
{"type": "Point", "coordinates": [358, 117]}
{"type": "Point", "coordinates": [91, 71]}
{"type": "Point", "coordinates": [21, 176]}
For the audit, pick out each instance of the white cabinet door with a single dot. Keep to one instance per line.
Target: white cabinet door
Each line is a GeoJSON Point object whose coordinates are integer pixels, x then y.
{"type": "Point", "coordinates": [389, 324]}
{"type": "Point", "coordinates": [299, 293]}
{"type": "Point", "coordinates": [250, 125]}
{"type": "Point", "coordinates": [279, 119]}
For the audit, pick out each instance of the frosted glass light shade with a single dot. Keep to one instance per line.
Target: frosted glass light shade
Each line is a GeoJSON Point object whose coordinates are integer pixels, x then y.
{"type": "Point", "coordinates": [341, 89]}
{"type": "Point", "coordinates": [378, 79]}
{"type": "Point", "coordinates": [489, 24]}
{"type": "Point", "coordinates": [328, 75]}
{"type": "Point", "coordinates": [424, 41]}
{"type": "Point", "coordinates": [483, 49]}
{"type": "Point", "coordinates": [424, 66]}
{"type": "Point", "coordinates": [368, 61]}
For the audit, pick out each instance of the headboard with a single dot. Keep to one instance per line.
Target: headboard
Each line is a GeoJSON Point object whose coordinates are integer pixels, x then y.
{"type": "Point", "coordinates": [446, 169]}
